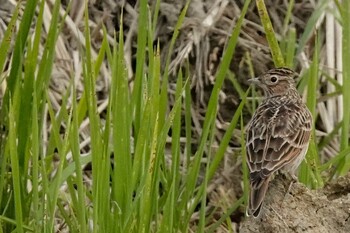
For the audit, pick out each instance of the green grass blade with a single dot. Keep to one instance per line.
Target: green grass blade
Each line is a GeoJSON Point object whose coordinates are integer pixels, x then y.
{"type": "Point", "coordinates": [288, 16]}
{"type": "Point", "coordinates": [226, 215]}
{"type": "Point", "coordinates": [6, 40]}
{"type": "Point", "coordinates": [149, 189]}
{"type": "Point", "coordinates": [99, 173]}
{"type": "Point", "coordinates": [164, 88]}
{"type": "Point", "coordinates": [219, 155]}
{"type": "Point", "coordinates": [169, 211]}
{"type": "Point", "coordinates": [309, 173]}
{"type": "Point", "coordinates": [121, 135]}
{"type": "Point", "coordinates": [270, 34]}
{"type": "Point", "coordinates": [21, 40]}
{"type": "Point", "coordinates": [227, 137]}
{"type": "Point", "coordinates": [188, 120]}
{"type": "Point", "coordinates": [55, 186]}
{"type": "Point", "coordinates": [309, 29]}
{"type": "Point", "coordinates": [16, 174]}
{"type": "Point", "coordinates": [245, 170]}
{"type": "Point", "coordinates": [291, 47]}
{"type": "Point", "coordinates": [210, 114]}
{"type": "Point", "coordinates": [45, 67]}
{"type": "Point", "coordinates": [140, 58]}
{"type": "Point", "coordinates": [74, 144]}
{"type": "Point", "coordinates": [35, 160]}
{"type": "Point", "coordinates": [335, 160]}
{"type": "Point", "coordinates": [344, 139]}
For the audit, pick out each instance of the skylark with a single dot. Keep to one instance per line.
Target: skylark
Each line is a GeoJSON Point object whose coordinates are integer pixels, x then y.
{"type": "Point", "coordinates": [278, 134]}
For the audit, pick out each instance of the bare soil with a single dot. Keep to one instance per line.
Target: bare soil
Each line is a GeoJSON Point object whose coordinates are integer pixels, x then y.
{"type": "Point", "coordinates": [300, 209]}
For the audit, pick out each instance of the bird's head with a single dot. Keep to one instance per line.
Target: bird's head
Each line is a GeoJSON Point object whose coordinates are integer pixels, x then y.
{"type": "Point", "coordinates": [276, 82]}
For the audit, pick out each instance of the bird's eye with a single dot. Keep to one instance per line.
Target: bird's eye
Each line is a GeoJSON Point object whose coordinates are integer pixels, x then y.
{"type": "Point", "coordinates": [273, 79]}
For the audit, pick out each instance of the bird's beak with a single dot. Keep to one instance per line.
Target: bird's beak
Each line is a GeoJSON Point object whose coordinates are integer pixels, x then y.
{"type": "Point", "coordinates": [254, 80]}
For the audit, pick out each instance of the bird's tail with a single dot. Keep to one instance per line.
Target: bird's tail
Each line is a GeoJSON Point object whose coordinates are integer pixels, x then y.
{"type": "Point", "coordinates": [257, 195]}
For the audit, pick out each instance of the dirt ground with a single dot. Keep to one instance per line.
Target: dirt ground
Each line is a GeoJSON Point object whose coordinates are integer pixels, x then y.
{"type": "Point", "coordinates": [303, 210]}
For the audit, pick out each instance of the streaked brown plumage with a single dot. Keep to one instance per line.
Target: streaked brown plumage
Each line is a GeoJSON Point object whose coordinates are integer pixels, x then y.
{"type": "Point", "coordinates": [278, 134]}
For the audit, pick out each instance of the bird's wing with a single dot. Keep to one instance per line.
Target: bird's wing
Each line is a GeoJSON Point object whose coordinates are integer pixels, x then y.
{"type": "Point", "coordinates": [275, 137]}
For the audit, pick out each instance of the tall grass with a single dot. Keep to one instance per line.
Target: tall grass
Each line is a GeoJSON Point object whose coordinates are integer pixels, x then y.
{"type": "Point", "coordinates": [141, 192]}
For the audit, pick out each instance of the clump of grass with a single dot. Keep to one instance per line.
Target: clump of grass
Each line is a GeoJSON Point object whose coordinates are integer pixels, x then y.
{"type": "Point", "coordinates": [141, 192]}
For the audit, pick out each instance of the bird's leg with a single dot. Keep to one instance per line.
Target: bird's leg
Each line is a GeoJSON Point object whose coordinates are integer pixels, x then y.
{"type": "Point", "coordinates": [293, 178]}
{"type": "Point", "coordinates": [293, 181]}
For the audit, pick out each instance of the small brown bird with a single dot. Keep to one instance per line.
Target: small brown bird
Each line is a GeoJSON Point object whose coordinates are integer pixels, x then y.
{"type": "Point", "coordinates": [278, 134]}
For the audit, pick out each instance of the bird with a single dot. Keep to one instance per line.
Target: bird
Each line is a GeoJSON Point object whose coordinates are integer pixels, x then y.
{"type": "Point", "coordinates": [278, 135]}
